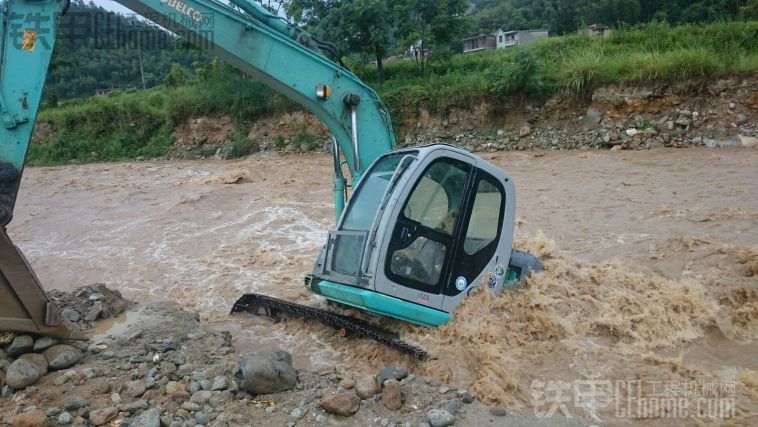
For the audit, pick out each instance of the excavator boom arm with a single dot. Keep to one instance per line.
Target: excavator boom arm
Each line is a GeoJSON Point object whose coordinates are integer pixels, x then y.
{"type": "Point", "coordinates": [253, 40]}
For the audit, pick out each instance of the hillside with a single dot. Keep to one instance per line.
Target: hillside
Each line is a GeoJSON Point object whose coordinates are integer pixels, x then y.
{"type": "Point", "coordinates": [133, 123]}
{"type": "Point", "coordinates": [101, 50]}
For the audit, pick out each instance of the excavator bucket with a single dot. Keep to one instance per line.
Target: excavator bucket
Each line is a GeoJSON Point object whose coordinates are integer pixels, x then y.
{"type": "Point", "coordinates": [24, 306]}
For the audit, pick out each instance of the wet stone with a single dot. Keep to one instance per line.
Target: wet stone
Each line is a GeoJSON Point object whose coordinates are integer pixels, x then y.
{"type": "Point", "coordinates": [44, 343]}
{"type": "Point", "coordinates": [20, 345]}
{"type": "Point", "coordinates": [62, 356]}
{"type": "Point", "coordinates": [265, 372]}
{"type": "Point", "coordinates": [22, 373]}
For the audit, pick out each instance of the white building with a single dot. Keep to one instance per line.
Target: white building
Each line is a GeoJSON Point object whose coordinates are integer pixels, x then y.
{"type": "Point", "coordinates": [517, 38]}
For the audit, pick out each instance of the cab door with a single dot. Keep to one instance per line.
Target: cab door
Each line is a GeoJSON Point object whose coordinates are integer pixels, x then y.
{"type": "Point", "coordinates": [419, 249]}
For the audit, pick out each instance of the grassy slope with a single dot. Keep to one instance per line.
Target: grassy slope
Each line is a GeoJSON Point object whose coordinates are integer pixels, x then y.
{"type": "Point", "coordinates": [131, 124]}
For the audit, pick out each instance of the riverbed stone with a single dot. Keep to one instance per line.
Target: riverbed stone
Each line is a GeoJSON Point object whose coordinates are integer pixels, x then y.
{"type": "Point", "coordinates": [440, 418]}
{"type": "Point", "coordinates": [265, 372]}
{"type": "Point", "coordinates": [99, 417]}
{"type": "Point", "coordinates": [20, 345]}
{"type": "Point", "coordinates": [391, 395]}
{"type": "Point", "coordinates": [344, 404]}
{"type": "Point", "coordinates": [75, 402]}
{"type": "Point", "coordinates": [176, 389]}
{"type": "Point", "coordinates": [43, 343]}
{"type": "Point", "coordinates": [149, 418]}
{"type": "Point", "coordinates": [62, 356]}
{"type": "Point", "coordinates": [135, 388]}
{"type": "Point", "coordinates": [22, 373]}
{"type": "Point", "coordinates": [34, 418]}
{"type": "Point", "coordinates": [37, 359]}
{"type": "Point", "coordinates": [393, 372]}
{"type": "Point", "coordinates": [366, 387]}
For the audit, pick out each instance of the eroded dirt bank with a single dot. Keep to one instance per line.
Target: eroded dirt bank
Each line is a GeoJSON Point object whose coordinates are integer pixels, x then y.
{"type": "Point", "coordinates": [651, 276]}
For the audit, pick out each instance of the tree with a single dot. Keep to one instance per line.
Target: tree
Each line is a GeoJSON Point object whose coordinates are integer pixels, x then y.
{"type": "Point", "coordinates": [429, 24]}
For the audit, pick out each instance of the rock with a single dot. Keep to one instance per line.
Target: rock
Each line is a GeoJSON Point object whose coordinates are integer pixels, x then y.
{"type": "Point", "coordinates": [347, 383]}
{"type": "Point", "coordinates": [20, 345]}
{"type": "Point", "coordinates": [149, 418]}
{"type": "Point", "coordinates": [298, 413]}
{"type": "Point", "coordinates": [116, 398]}
{"type": "Point", "coordinates": [524, 131]}
{"type": "Point", "coordinates": [2, 378]}
{"type": "Point", "coordinates": [345, 404]}
{"type": "Point", "coordinates": [392, 372]}
{"type": "Point", "coordinates": [52, 411]}
{"type": "Point", "coordinates": [34, 418]}
{"type": "Point", "coordinates": [37, 359]}
{"type": "Point", "coordinates": [22, 373]}
{"type": "Point", "coordinates": [498, 412]}
{"type": "Point", "coordinates": [320, 419]}
{"type": "Point", "coordinates": [135, 388]}
{"type": "Point", "coordinates": [99, 417]}
{"type": "Point", "coordinates": [62, 356]}
{"type": "Point", "coordinates": [134, 406]}
{"type": "Point", "coordinates": [265, 372]}
{"type": "Point", "coordinates": [219, 383]}
{"type": "Point", "coordinates": [748, 141]}
{"type": "Point", "coordinates": [64, 418]}
{"type": "Point", "coordinates": [366, 387]}
{"type": "Point", "coordinates": [732, 105]}
{"type": "Point", "coordinates": [440, 418]}
{"type": "Point", "coordinates": [616, 148]}
{"type": "Point", "coordinates": [71, 314]}
{"type": "Point", "coordinates": [201, 397]}
{"type": "Point", "coordinates": [391, 395]}
{"type": "Point", "coordinates": [465, 396]}
{"type": "Point", "coordinates": [632, 132]}
{"type": "Point", "coordinates": [740, 120]}
{"type": "Point", "coordinates": [683, 122]}
{"type": "Point", "coordinates": [593, 116]}
{"type": "Point", "coordinates": [176, 389]}
{"type": "Point", "coordinates": [94, 312]}
{"type": "Point", "coordinates": [202, 418]}
{"type": "Point", "coordinates": [75, 402]}
{"type": "Point", "coordinates": [443, 389]}
{"type": "Point", "coordinates": [191, 406]}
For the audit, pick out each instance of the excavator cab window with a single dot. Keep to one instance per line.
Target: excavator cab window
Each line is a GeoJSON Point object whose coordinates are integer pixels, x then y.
{"type": "Point", "coordinates": [422, 240]}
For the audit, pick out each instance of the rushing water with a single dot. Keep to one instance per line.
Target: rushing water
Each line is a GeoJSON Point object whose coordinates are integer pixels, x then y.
{"type": "Point", "coordinates": [652, 269]}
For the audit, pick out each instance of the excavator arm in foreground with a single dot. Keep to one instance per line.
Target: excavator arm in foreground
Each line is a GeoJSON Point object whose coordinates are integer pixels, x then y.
{"type": "Point", "coordinates": [253, 40]}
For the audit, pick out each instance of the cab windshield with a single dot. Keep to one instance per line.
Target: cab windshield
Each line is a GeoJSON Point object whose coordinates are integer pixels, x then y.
{"type": "Point", "coordinates": [363, 205]}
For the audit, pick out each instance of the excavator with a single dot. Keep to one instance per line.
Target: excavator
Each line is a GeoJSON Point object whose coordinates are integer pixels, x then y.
{"type": "Point", "coordinates": [421, 228]}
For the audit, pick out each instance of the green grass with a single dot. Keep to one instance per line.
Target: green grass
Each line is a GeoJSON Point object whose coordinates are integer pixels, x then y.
{"type": "Point", "coordinates": [129, 124]}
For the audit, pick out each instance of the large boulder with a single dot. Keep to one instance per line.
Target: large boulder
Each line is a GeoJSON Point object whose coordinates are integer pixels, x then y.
{"type": "Point", "coordinates": [62, 356]}
{"type": "Point", "coordinates": [23, 373]}
{"type": "Point", "coordinates": [344, 404]}
{"type": "Point", "coordinates": [265, 372]}
{"type": "Point", "coordinates": [43, 343]}
{"type": "Point", "coordinates": [37, 359]}
{"type": "Point", "coordinates": [20, 345]}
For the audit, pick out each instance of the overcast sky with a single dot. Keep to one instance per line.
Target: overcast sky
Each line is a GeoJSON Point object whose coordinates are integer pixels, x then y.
{"type": "Point", "coordinates": [112, 5]}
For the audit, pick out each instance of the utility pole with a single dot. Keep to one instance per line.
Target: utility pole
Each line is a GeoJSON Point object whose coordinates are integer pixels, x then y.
{"type": "Point", "coordinates": [141, 70]}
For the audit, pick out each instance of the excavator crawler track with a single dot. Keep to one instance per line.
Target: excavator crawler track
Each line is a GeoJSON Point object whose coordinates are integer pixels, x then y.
{"type": "Point", "coordinates": [268, 306]}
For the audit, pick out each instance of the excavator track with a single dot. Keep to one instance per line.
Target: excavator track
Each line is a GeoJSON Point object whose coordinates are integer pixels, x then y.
{"type": "Point", "coordinates": [262, 304]}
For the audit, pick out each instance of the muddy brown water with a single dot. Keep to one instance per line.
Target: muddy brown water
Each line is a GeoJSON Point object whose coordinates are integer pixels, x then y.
{"type": "Point", "coordinates": [650, 290]}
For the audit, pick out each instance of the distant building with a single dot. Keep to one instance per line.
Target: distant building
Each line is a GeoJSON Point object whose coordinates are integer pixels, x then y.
{"type": "Point", "coordinates": [517, 38]}
{"type": "Point", "coordinates": [599, 30]}
{"type": "Point", "coordinates": [475, 44]}
{"type": "Point", "coordinates": [502, 39]}
{"type": "Point", "coordinates": [417, 51]}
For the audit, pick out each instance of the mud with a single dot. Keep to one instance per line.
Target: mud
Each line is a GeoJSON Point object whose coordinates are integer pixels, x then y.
{"type": "Point", "coordinates": [651, 269]}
